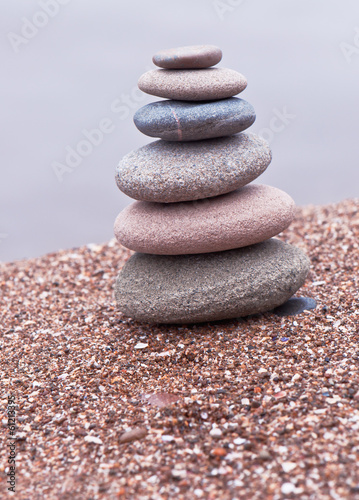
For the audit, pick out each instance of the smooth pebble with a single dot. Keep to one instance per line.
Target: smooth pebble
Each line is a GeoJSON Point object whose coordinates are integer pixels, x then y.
{"type": "Point", "coordinates": [249, 215]}
{"type": "Point", "coordinates": [193, 84]}
{"type": "Point", "coordinates": [190, 57]}
{"type": "Point", "coordinates": [208, 287]}
{"type": "Point", "coordinates": [194, 121]}
{"type": "Point", "coordinates": [167, 172]}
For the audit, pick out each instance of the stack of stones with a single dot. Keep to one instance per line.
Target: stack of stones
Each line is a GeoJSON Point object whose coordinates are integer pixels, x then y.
{"type": "Point", "coordinates": [201, 232]}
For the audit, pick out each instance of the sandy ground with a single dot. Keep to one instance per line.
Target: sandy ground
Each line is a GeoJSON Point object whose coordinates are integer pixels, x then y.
{"type": "Point", "coordinates": [264, 407]}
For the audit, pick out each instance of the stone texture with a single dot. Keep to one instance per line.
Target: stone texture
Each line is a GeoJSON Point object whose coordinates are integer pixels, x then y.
{"type": "Point", "coordinates": [193, 121]}
{"type": "Point", "coordinates": [249, 215]}
{"type": "Point", "coordinates": [193, 84]}
{"type": "Point", "coordinates": [208, 287]}
{"type": "Point", "coordinates": [191, 57]}
{"type": "Point", "coordinates": [170, 172]}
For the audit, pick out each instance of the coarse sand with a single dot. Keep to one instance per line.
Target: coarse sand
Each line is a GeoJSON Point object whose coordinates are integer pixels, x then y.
{"type": "Point", "coordinates": [264, 407]}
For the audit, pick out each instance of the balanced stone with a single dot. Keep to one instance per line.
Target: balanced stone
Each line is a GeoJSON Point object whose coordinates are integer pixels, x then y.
{"type": "Point", "coordinates": [249, 215]}
{"type": "Point", "coordinates": [191, 57]}
{"type": "Point", "coordinates": [193, 121]}
{"type": "Point", "coordinates": [181, 171]}
{"type": "Point", "coordinates": [212, 286]}
{"type": "Point", "coordinates": [193, 85]}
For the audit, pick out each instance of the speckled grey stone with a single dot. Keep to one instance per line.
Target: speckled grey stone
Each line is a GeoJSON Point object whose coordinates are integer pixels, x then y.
{"type": "Point", "coordinates": [182, 171]}
{"type": "Point", "coordinates": [190, 57]}
{"type": "Point", "coordinates": [208, 287]}
{"type": "Point", "coordinates": [193, 84]}
{"type": "Point", "coordinates": [194, 121]}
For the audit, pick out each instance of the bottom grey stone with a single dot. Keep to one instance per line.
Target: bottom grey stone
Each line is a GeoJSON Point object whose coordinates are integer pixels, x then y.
{"type": "Point", "coordinates": [212, 286]}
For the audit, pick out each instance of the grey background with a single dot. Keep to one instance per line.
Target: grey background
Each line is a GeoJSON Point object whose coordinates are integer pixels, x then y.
{"type": "Point", "coordinates": [91, 53]}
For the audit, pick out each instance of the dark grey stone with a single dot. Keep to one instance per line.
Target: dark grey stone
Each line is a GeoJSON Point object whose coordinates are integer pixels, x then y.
{"type": "Point", "coordinates": [168, 172]}
{"type": "Point", "coordinates": [295, 305]}
{"type": "Point", "coordinates": [193, 121]}
{"type": "Point", "coordinates": [213, 286]}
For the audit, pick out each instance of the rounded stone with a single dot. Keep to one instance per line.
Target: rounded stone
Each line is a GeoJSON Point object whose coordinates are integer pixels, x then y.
{"type": "Point", "coordinates": [209, 287]}
{"type": "Point", "coordinates": [193, 84]}
{"type": "Point", "coordinates": [249, 215]}
{"type": "Point", "coordinates": [168, 172]}
{"type": "Point", "coordinates": [194, 121]}
{"type": "Point", "coordinates": [191, 57]}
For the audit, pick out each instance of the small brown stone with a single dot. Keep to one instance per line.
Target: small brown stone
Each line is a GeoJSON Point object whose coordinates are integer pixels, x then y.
{"type": "Point", "coordinates": [264, 455]}
{"type": "Point", "coordinates": [133, 435]}
{"type": "Point", "coordinates": [219, 452]}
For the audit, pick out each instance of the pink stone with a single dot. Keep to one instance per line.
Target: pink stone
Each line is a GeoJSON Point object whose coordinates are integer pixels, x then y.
{"type": "Point", "coordinates": [193, 85]}
{"type": "Point", "coordinates": [161, 399]}
{"type": "Point", "coordinates": [243, 217]}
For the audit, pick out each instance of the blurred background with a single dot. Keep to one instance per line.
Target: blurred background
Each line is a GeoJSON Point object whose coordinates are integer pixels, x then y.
{"type": "Point", "coordinates": [70, 67]}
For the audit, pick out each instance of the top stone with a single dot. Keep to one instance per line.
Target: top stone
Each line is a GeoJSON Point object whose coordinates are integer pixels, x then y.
{"type": "Point", "coordinates": [192, 57]}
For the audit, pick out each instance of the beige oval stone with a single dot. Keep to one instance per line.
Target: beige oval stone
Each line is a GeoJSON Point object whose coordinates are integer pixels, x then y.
{"type": "Point", "coordinates": [193, 85]}
{"type": "Point", "coordinates": [249, 215]}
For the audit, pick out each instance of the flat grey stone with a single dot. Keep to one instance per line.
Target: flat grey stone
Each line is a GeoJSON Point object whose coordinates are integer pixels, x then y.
{"type": "Point", "coordinates": [193, 121]}
{"type": "Point", "coordinates": [182, 171]}
{"type": "Point", "coordinates": [193, 84]}
{"type": "Point", "coordinates": [191, 57]}
{"type": "Point", "coordinates": [209, 287]}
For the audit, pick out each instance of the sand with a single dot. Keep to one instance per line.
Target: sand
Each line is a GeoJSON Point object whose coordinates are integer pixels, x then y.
{"type": "Point", "coordinates": [263, 407]}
